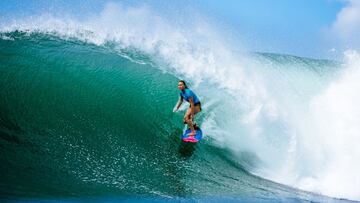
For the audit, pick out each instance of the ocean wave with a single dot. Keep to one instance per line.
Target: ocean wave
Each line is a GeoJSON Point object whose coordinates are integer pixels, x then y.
{"type": "Point", "coordinates": [263, 109]}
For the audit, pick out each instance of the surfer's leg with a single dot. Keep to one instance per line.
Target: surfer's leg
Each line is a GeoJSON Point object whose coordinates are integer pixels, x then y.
{"type": "Point", "coordinates": [197, 109]}
{"type": "Point", "coordinates": [188, 119]}
{"type": "Point", "coordinates": [187, 116]}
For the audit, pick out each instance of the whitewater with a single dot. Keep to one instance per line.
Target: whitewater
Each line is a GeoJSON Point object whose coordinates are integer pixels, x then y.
{"type": "Point", "coordinates": [99, 92]}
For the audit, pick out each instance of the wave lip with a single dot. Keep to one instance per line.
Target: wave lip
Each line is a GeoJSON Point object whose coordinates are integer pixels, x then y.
{"type": "Point", "coordinates": [277, 104]}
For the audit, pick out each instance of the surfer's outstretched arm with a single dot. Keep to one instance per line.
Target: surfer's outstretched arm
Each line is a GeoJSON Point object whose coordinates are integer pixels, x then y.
{"type": "Point", "coordinates": [178, 104]}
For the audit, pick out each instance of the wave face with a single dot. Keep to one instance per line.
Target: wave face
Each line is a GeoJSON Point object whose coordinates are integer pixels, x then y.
{"type": "Point", "coordinates": [79, 119]}
{"type": "Point", "coordinates": [86, 111]}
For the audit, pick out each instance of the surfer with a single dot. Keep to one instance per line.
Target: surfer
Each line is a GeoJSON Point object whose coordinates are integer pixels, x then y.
{"type": "Point", "coordinates": [195, 105]}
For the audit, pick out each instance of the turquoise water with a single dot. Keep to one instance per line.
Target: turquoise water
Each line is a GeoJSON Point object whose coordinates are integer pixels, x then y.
{"type": "Point", "coordinates": [86, 104]}
{"type": "Point", "coordinates": [82, 121]}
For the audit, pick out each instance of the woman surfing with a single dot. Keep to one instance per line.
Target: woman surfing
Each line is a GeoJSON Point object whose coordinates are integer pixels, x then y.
{"type": "Point", "coordinates": [195, 105]}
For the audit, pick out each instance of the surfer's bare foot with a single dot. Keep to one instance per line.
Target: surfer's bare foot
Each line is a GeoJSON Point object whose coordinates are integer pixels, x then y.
{"type": "Point", "coordinates": [192, 134]}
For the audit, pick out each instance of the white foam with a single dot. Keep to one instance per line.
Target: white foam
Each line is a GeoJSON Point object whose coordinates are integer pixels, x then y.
{"type": "Point", "coordinates": [333, 134]}
{"type": "Point", "coordinates": [303, 131]}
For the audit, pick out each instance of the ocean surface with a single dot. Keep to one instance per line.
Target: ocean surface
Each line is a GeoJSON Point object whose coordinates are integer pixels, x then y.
{"type": "Point", "coordinates": [86, 114]}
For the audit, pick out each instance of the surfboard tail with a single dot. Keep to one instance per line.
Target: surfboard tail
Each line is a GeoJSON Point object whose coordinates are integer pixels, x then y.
{"type": "Point", "coordinates": [190, 139]}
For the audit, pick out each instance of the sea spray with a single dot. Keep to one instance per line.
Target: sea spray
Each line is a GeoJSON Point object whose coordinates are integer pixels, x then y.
{"type": "Point", "coordinates": [267, 109]}
{"type": "Point", "coordinates": [329, 143]}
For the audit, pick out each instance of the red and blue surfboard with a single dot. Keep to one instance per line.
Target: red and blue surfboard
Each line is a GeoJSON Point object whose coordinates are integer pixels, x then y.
{"type": "Point", "coordinates": [186, 138]}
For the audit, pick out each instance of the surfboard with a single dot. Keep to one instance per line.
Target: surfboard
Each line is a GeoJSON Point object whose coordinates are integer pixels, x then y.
{"type": "Point", "coordinates": [198, 135]}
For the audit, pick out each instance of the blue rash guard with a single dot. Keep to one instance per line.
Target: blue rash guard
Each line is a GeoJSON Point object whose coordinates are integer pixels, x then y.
{"type": "Point", "coordinates": [187, 94]}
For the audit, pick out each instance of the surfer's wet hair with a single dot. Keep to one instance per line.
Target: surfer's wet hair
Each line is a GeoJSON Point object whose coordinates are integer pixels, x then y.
{"type": "Point", "coordinates": [184, 83]}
